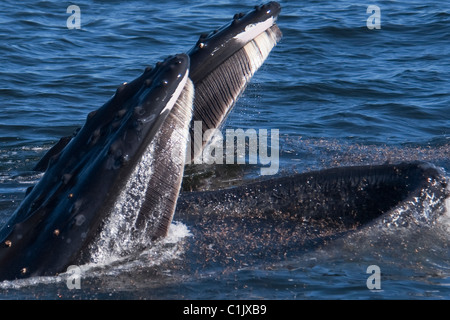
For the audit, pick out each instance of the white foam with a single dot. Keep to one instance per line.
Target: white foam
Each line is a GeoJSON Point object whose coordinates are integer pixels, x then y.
{"type": "Point", "coordinates": [116, 238]}
{"type": "Point", "coordinates": [444, 220]}
{"type": "Point", "coordinates": [177, 232]}
{"type": "Point", "coordinates": [166, 249]}
{"type": "Point", "coordinates": [38, 149]}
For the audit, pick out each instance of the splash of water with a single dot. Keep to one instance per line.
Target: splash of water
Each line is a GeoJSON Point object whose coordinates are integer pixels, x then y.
{"type": "Point", "coordinates": [166, 249]}
{"type": "Point", "coordinates": [444, 220]}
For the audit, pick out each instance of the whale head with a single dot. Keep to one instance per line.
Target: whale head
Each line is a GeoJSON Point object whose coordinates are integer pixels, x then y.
{"type": "Point", "coordinates": [63, 213]}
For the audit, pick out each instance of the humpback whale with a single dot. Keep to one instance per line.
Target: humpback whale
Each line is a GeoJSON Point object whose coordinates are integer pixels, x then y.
{"type": "Point", "coordinates": [126, 163]}
{"type": "Point", "coordinates": [60, 216]}
{"type": "Point", "coordinates": [123, 169]}
{"type": "Point", "coordinates": [280, 218]}
{"type": "Point", "coordinates": [339, 199]}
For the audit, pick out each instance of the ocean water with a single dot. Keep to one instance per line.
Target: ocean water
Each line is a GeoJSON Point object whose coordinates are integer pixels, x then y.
{"type": "Point", "coordinates": [339, 91]}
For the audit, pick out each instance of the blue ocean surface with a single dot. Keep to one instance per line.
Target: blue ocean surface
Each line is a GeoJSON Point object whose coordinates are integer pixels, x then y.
{"type": "Point", "coordinates": [343, 87]}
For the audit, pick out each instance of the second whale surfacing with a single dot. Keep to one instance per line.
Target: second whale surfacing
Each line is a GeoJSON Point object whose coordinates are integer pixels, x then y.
{"type": "Point", "coordinates": [265, 222]}
{"type": "Point", "coordinates": [113, 187]}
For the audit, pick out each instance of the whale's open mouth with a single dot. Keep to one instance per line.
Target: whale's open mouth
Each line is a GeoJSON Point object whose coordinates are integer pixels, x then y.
{"type": "Point", "coordinates": [333, 200]}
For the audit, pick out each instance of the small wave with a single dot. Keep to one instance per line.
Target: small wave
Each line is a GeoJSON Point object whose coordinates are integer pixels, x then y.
{"type": "Point", "coordinates": [29, 282]}
{"type": "Point", "coordinates": [34, 148]}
